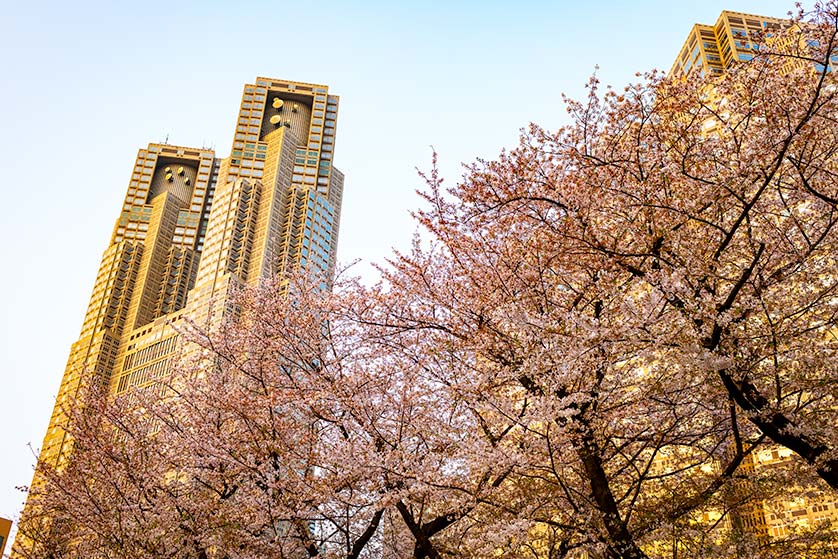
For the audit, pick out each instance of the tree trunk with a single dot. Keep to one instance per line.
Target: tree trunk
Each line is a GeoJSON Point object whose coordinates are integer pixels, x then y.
{"type": "Point", "coordinates": [621, 543]}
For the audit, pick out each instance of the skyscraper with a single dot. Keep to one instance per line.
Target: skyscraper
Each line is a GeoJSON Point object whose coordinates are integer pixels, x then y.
{"type": "Point", "coordinates": [712, 48]}
{"type": "Point", "coordinates": [192, 227]}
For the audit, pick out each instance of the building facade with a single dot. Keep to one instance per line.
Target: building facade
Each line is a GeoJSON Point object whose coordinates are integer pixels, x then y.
{"type": "Point", "coordinates": [710, 49]}
{"type": "Point", "coordinates": [193, 227]}
{"type": "Point", "coordinates": [5, 528]}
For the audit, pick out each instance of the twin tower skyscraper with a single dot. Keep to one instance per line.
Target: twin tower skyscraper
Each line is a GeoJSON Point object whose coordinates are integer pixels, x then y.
{"type": "Point", "coordinates": [192, 227]}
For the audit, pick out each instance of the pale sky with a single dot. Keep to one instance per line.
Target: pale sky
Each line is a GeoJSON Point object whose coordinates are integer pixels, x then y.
{"type": "Point", "coordinates": [83, 85]}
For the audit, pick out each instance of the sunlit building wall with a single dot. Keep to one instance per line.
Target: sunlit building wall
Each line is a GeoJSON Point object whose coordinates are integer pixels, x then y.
{"type": "Point", "coordinates": [713, 48]}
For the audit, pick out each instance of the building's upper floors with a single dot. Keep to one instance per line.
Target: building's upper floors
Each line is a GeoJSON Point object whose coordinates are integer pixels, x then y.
{"type": "Point", "coordinates": [709, 49]}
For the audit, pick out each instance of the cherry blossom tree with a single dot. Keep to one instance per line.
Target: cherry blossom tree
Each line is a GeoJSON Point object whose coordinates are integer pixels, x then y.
{"type": "Point", "coordinates": [117, 494]}
{"type": "Point", "coordinates": [287, 433]}
{"type": "Point", "coordinates": [653, 284]}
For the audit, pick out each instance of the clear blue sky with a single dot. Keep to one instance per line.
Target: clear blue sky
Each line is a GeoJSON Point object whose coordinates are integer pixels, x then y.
{"type": "Point", "coordinates": [85, 84]}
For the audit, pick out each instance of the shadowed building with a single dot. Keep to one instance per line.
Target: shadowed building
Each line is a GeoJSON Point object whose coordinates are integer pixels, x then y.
{"type": "Point", "coordinates": [5, 528]}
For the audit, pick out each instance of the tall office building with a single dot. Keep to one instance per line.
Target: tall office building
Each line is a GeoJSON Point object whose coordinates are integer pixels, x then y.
{"type": "Point", "coordinates": [192, 227]}
{"type": "Point", "coordinates": [713, 48]}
